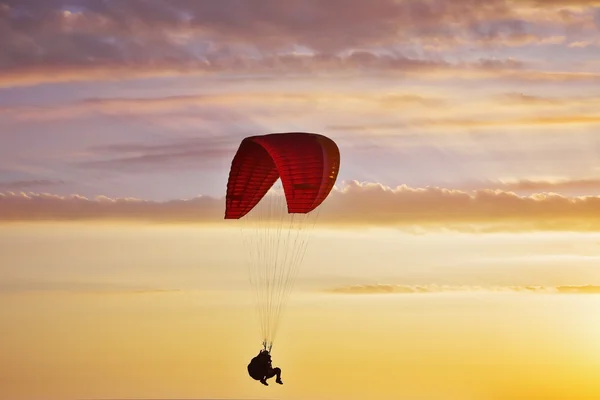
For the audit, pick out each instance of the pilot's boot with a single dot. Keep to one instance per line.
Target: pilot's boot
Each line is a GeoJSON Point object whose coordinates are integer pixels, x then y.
{"type": "Point", "coordinates": [264, 382]}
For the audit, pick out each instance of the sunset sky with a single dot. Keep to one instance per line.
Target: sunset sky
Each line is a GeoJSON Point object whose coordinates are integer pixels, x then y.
{"type": "Point", "coordinates": [457, 256]}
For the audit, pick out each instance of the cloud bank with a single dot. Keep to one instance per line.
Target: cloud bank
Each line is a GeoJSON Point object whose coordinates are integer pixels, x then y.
{"type": "Point", "coordinates": [70, 40]}
{"type": "Point", "coordinates": [354, 204]}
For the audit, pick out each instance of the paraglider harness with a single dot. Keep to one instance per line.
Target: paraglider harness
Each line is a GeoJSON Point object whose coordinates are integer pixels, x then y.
{"type": "Point", "coordinates": [257, 369]}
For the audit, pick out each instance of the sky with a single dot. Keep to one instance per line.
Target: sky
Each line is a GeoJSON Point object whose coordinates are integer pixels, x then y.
{"type": "Point", "coordinates": [456, 257]}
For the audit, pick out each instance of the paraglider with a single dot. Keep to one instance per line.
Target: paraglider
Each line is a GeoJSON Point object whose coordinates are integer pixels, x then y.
{"type": "Point", "coordinates": [277, 219]}
{"type": "Point", "coordinates": [261, 369]}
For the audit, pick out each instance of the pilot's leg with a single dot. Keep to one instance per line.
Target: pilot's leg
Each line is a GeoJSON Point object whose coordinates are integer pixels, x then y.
{"type": "Point", "coordinates": [275, 372]}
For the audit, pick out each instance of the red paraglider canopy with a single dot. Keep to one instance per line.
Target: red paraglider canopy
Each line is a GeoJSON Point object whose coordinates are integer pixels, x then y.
{"type": "Point", "coordinates": [307, 163]}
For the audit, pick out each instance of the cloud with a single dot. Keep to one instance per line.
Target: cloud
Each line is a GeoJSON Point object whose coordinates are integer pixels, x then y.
{"type": "Point", "coordinates": [582, 44]}
{"type": "Point", "coordinates": [66, 40]}
{"type": "Point", "coordinates": [352, 205]}
{"type": "Point", "coordinates": [47, 207]}
{"type": "Point", "coordinates": [432, 207]}
{"type": "Point", "coordinates": [396, 113]}
{"type": "Point", "coordinates": [537, 186]}
{"type": "Point", "coordinates": [266, 24]}
{"type": "Point", "coordinates": [534, 106]}
{"type": "Point", "coordinates": [216, 107]}
{"type": "Point", "coordinates": [521, 99]}
{"type": "Point", "coordinates": [271, 25]}
{"type": "Point", "coordinates": [537, 120]}
{"type": "Point", "coordinates": [462, 123]}
{"type": "Point", "coordinates": [290, 66]}
{"type": "Point", "coordinates": [190, 110]}
{"type": "Point", "coordinates": [28, 286]}
{"type": "Point", "coordinates": [189, 152]}
{"type": "Point", "coordinates": [28, 184]}
{"type": "Point", "coordinates": [414, 289]}
{"type": "Point", "coordinates": [159, 104]}
{"type": "Point", "coordinates": [285, 66]}
{"type": "Point", "coordinates": [564, 3]}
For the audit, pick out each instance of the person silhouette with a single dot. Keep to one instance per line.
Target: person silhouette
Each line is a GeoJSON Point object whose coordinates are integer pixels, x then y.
{"type": "Point", "coordinates": [261, 368]}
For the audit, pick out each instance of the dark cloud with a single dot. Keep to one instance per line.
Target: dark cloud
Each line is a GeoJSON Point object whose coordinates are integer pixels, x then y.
{"type": "Point", "coordinates": [159, 37]}
{"type": "Point", "coordinates": [267, 24]}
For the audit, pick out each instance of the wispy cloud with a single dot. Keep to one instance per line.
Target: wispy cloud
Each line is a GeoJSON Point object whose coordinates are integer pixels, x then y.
{"type": "Point", "coordinates": [80, 287]}
{"type": "Point", "coordinates": [28, 184]}
{"type": "Point", "coordinates": [591, 185]}
{"type": "Point", "coordinates": [427, 110]}
{"type": "Point", "coordinates": [464, 123]}
{"type": "Point", "coordinates": [218, 107]}
{"type": "Point", "coordinates": [520, 99]}
{"type": "Point", "coordinates": [415, 289]}
{"type": "Point", "coordinates": [294, 65]}
{"type": "Point", "coordinates": [185, 152]}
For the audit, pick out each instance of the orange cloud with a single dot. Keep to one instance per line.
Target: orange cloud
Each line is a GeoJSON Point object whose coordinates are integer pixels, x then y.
{"type": "Point", "coordinates": [572, 119]}
{"type": "Point", "coordinates": [413, 289]}
{"type": "Point", "coordinates": [48, 207]}
{"type": "Point", "coordinates": [375, 204]}
{"type": "Point", "coordinates": [325, 64]}
{"type": "Point", "coordinates": [321, 65]}
{"type": "Point", "coordinates": [559, 185]}
{"type": "Point", "coordinates": [538, 120]}
{"type": "Point", "coordinates": [521, 99]}
{"type": "Point", "coordinates": [354, 205]}
{"type": "Point", "coordinates": [218, 106]}
{"type": "Point", "coordinates": [427, 109]}
{"type": "Point", "coordinates": [560, 3]}
{"type": "Point", "coordinates": [104, 72]}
